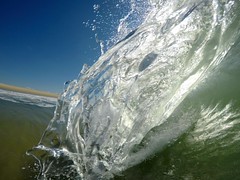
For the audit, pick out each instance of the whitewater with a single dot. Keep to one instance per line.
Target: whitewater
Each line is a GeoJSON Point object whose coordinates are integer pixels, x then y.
{"type": "Point", "coordinates": [22, 98]}
{"type": "Point", "coordinates": [165, 96]}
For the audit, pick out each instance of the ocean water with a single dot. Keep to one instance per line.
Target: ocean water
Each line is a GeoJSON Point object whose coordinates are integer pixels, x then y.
{"type": "Point", "coordinates": [23, 119]}
{"type": "Point", "coordinates": [162, 103]}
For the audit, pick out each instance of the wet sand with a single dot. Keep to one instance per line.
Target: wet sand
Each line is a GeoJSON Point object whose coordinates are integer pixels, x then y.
{"type": "Point", "coordinates": [27, 91]}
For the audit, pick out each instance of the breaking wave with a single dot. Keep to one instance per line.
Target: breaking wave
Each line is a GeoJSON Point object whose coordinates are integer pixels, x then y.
{"type": "Point", "coordinates": [172, 79]}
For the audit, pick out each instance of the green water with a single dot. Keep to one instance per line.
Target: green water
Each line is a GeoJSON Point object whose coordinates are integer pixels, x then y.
{"type": "Point", "coordinates": [210, 148]}
{"type": "Point", "coordinates": [182, 161]}
{"type": "Point", "coordinates": [21, 127]}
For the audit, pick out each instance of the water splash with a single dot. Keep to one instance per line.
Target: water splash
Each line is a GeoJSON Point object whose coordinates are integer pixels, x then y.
{"type": "Point", "coordinates": [107, 120]}
{"type": "Point", "coordinates": [115, 19]}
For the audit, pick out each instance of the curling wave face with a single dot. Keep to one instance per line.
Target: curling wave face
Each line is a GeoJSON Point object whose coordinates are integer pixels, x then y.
{"type": "Point", "coordinates": [146, 92]}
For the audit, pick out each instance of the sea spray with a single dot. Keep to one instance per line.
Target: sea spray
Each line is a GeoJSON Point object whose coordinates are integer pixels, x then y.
{"type": "Point", "coordinates": [115, 19]}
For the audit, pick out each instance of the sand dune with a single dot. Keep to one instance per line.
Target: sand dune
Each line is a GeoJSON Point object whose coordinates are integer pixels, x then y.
{"type": "Point", "coordinates": [27, 91]}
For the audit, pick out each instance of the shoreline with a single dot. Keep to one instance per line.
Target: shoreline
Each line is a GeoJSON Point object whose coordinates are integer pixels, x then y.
{"type": "Point", "coordinates": [27, 91]}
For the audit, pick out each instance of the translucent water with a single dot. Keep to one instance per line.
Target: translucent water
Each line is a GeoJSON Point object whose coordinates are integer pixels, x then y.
{"type": "Point", "coordinates": [170, 86]}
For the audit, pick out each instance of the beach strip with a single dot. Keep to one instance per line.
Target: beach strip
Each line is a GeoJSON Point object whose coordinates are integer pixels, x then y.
{"type": "Point", "coordinates": [27, 91]}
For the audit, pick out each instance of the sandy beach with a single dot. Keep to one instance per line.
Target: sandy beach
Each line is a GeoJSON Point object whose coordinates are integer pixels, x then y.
{"type": "Point", "coordinates": [27, 91]}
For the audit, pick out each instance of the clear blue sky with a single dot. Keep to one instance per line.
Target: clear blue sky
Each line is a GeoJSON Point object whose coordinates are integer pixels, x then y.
{"type": "Point", "coordinates": [44, 43]}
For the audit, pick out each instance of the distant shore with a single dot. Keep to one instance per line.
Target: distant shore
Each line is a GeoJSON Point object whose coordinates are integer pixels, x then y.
{"type": "Point", "coordinates": [27, 91]}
